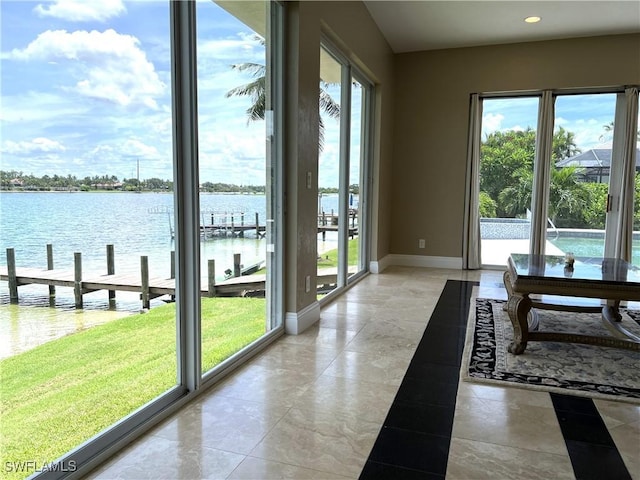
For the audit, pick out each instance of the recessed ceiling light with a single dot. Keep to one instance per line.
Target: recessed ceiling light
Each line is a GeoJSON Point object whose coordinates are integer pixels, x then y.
{"type": "Point", "coordinates": [532, 19]}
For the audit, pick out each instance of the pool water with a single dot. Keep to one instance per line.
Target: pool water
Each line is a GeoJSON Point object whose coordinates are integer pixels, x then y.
{"type": "Point", "coordinates": [591, 247]}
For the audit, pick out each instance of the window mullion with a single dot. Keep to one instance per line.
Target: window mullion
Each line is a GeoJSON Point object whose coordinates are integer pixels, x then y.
{"type": "Point", "coordinates": [186, 192]}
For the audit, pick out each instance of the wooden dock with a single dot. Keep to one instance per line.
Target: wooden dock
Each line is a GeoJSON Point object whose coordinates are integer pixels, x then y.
{"type": "Point", "coordinates": [239, 282]}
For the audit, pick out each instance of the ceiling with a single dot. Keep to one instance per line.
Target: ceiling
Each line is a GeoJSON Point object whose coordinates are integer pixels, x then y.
{"type": "Point", "coordinates": [417, 25]}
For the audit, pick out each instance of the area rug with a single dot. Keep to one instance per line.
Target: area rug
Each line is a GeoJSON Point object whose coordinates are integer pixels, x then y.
{"type": "Point", "coordinates": [569, 368]}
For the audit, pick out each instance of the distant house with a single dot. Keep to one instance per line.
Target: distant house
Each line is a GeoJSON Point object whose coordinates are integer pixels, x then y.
{"type": "Point", "coordinates": [594, 164]}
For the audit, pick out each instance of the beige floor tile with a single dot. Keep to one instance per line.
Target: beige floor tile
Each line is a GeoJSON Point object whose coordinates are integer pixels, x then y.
{"type": "Point", "coordinates": [160, 458]}
{"type": "Point", "coordinates": [479, 460]}
{"type": "Point", "coordinates": [323, 336]}
{"type": "Point", "coordinates": [222, 423]}
{"type": "Point", "coordinates": [370, 367]}
{"type": "Point", "coordinates": [388, 338]}
{"type": "Point", "coordinates": [368, 401]}
{"type": "Point", "coordinates": [517, 425]}
{"type": "Point", "coordinates": [272, 386]}
{"type": "Point", "coordinates": [509, 395]}
{"type": "Point", "coordinates": [297, 358]}
{"type": "Point", "coordinates": [257, 468]}
{"type": "Point", "coordinates": [340, 321]}
{"type": "Point", "coordinates": [617, 413]}
{"type": "Point", "coordinates": [328, 442]}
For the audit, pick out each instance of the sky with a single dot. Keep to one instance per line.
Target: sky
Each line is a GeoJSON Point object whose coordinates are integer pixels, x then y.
{"type": "Point", "coordinates": [86, 90]}
{"type": "Point", "coordinates": [584, 115]}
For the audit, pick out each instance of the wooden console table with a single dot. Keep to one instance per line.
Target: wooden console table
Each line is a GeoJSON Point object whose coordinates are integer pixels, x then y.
{"type": "Point", "coordinates": [609, 279]}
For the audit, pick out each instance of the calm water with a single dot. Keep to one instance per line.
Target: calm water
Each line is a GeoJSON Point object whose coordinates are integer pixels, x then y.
{"type": "Point", "coordinates": [86, 222]}
{"type": "Point", "coordinates": [591, 247]}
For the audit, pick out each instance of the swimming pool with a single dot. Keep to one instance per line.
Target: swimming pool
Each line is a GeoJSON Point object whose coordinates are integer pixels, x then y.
{"type": "Point", "coordinates": [590, 247]}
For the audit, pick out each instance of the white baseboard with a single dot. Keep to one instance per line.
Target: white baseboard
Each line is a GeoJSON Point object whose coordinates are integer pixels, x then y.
{"type": "Point", "coordinates": [297, 322]}
{"type": "Point", "coordinates": [453, 263]}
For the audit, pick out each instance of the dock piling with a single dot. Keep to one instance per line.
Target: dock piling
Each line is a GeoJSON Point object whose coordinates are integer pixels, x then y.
{"type": "Point", "coordinates": [77, 276]}
{"type": "Point", "coordinates": [11, 272]}
{"type": "Point", "coordinates": [111, 268]}
{"type": "Point", "coordinates": [144, 272]}
{"type": "Point", "coordinates": [236, 265]}
{"type": "Point", "coordinates": [211, 276]}
{"type": "Point", "coordinates": [173, 264]}
{"type": "Point", "coordinates": [52, 288]}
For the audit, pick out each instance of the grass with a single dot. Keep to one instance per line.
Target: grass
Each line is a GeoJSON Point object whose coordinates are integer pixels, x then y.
{"type": "Point", "coordinates": [59, 394]}
{"type": "Point", "coordinates": [330, 258]}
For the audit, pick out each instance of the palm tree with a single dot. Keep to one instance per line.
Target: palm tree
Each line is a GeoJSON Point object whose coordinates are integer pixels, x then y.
{"type": "Point", "coordinates": [257, 91]}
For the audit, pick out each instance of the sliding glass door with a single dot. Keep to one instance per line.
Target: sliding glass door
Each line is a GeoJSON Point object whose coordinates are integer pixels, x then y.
{"type": "Point", "coordinates": [506, 176]}
{"type": "Point", "coordinates": [131, 179]}
{"type": "Point", "coordinates": [345, 112]}
{"type": "Point", "coordinates": [588, 167]}
{"type": "Point", "coordinates": [86, 171]}
{"type": "Point", "coordinates": [238, 184]}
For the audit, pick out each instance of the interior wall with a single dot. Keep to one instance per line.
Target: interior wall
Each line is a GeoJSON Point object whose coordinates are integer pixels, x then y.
{"type": "Point", "coordinates": [432, 92]}
{"type": "Point", "coordinates": [349, 26]}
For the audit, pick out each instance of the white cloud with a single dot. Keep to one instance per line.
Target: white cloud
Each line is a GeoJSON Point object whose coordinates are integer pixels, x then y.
{"type": "Point", "coordinates": [491, 122]}
{"type": "Point", "coordinates": [37, 145]}
{"type": "Point", "coordinates": [112, 65]}
{"type": "Point", "coordinates": [136, 148]}
{"type": "Point", "coordinates": [81, 10]}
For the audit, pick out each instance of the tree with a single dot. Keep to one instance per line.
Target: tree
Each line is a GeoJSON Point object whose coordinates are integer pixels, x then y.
{"type": "Point", "coordinates": [507, 160]}
{"type": "Point", "coordinates": [256, 90]}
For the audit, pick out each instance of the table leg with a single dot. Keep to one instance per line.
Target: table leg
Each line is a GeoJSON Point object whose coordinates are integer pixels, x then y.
{"type": "Point", "coordinates": [518, 307]}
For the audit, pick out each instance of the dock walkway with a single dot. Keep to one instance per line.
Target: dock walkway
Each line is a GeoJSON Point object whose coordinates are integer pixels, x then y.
{"type": "Point", "coordinates": [149, 288]}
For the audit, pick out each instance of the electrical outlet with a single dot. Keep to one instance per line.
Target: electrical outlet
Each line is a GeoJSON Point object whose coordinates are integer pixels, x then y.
{"type": "Point", "coordinates": [421, 243]}
{"type": "Point", "coordinates": [307, 283]}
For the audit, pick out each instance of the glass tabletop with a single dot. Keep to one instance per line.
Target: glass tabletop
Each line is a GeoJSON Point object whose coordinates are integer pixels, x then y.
{"type": "Point", "coordinates": [598, 269]}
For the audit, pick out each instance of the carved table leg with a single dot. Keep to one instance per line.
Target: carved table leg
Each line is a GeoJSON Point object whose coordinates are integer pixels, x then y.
{"type": "Point", "coordinates": [518, 308]}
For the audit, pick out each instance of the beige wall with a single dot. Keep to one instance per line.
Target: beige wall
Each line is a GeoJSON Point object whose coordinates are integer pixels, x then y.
{"type": "Point", "coordinates": [350, 28]}
{"type": "Point", "coordinates": [431, 95]}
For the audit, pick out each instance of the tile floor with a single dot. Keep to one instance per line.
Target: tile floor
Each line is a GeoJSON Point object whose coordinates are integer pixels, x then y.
{"type": "Point", "coordinates": [318, 405]}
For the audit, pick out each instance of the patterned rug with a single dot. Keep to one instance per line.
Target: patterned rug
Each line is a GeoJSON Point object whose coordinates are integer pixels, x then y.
{"type": "Point", "coordinates": [569, 368]}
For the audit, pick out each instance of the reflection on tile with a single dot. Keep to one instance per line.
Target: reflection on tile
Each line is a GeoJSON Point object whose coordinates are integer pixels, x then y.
{"type": "Point", "coordinates": [388, 338]}
{"type": "Point", "coordinates": [329, 442]}
{"type": "Point", "coordinates": [525, 426]}
{"type": "Point", "coordinates": [369, 367]}
{"type": "Point", "coordinates": [334, 338]}
{"type": "Point", "coordinates": [269, 385]}
{"type": "Point", "coordinates": [368, 401]}
{"type": "Point", "coordinates": [159, 458]}
{"type": "Point", "coordinates": [509, 395]}
{"type": "Point", "coordinates": [223, 423]}
{"type": "Point", "coordinates": [311, 406]}
{"type": "Point", "coordinates": [257, 468]}
{"type": "Point", "coordinates": [291, 356]}
{"type": "Point", "coordinates": [627, 440]}
{"type": "Point", "coordinates": [479, 460]}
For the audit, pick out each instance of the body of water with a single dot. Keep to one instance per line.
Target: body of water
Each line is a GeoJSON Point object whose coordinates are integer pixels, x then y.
{"type": "Point", "coordinates": [136, 224]}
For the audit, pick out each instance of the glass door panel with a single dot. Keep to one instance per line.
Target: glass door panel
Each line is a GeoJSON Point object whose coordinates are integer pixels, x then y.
{"type": "Point", "coordinates": [581, 167]}
{"type": "Point", "coordinates": [236, 193]}
{"type": "Point", "coordinates": [355, 260]}
{"type": "Point", "coordinates": [329, 169]}
{"type": "Point", "coordinates": [507, 156]}
{"type": "Point", "coordinates": [635, 249]}
{"type": "Point", "coordinates": [87, 183]}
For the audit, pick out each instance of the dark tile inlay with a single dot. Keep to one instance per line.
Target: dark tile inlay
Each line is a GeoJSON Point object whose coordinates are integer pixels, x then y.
{"type": "Point", "coordinates": [592, 452]}
{"type": "Point", "coordinates": [415, 438]}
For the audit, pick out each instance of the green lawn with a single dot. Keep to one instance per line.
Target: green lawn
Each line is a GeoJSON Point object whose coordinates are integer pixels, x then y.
{"type": "Point", "coordinates": [59, 394]}
{"type": "Point", "coordinates": [330, 258]}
